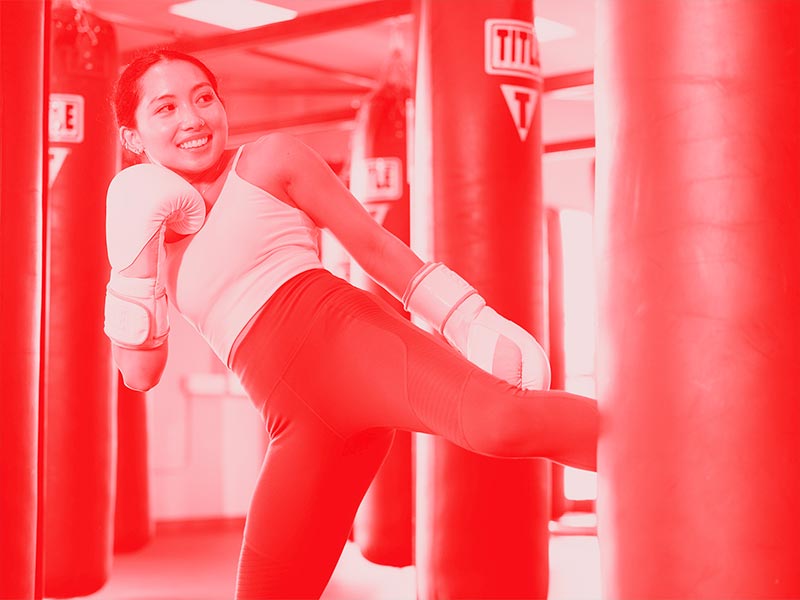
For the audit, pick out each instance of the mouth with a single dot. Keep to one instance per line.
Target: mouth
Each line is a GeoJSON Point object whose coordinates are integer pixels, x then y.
{"type": "Point", "coordinates": [196, 143]}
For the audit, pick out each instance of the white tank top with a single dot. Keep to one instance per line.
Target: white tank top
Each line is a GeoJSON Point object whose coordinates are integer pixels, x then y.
{"type": "Point", "coordinates": [250, 244]}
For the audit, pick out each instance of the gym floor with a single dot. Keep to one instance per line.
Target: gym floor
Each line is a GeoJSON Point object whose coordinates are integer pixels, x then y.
{"type": "Point", "coordinates": [197, 561]}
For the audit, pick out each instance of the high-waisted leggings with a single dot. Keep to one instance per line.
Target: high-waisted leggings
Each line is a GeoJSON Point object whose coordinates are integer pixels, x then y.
{"type": "Point", "coordinates": [334, 371]}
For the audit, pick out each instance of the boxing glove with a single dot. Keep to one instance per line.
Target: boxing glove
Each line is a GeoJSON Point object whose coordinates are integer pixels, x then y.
{"type": "Point", "coordinates": [142, 202]}
{"type": "Point", "coordinates": [453, 308]}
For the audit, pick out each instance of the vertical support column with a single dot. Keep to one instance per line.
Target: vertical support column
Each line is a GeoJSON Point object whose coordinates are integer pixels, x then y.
{"type": "Point", "coordinates": [556, 351]}
{"type": "Point", "coordinates": [698, 244]}
{"type": "Point", "coordinates": [482, 524]}
{"type": "Point", "coordinates": [383, 527]}
{"type": "Point", "coordinates": [22, 120]}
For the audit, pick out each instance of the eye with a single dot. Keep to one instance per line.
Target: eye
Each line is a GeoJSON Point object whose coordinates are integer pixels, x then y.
{"type": "Point", "coordinates": [164, 108]}
{"type": "Point", "coordinates": [205, 97]}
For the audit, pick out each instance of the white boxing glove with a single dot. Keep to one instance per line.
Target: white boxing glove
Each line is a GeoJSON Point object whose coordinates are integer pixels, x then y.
{"type": "Point", "coordinates": [453, 308]}
{"type": "Point", "coordinates": [143, 201]}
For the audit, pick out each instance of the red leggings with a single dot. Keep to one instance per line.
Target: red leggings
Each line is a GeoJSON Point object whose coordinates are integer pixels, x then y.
{"type": "Point", "coordinates": [334, 371]}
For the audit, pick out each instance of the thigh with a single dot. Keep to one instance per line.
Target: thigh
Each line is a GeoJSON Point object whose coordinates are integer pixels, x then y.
{"type": "Point", "coordinates": [311, 484]}
{"type": "Point", "coordinates": [362, 365]}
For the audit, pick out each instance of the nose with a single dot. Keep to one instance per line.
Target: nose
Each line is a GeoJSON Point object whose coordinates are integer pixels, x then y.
{"type": "Point", "coordinates": [190, 119]}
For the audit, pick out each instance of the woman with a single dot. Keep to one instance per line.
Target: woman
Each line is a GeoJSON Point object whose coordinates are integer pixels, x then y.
{"type": "Point", "coordinates": [333, 370]}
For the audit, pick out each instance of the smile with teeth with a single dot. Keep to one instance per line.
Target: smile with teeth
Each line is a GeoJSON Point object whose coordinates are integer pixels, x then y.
{"type": "Point", "coordinates": [194, 143]}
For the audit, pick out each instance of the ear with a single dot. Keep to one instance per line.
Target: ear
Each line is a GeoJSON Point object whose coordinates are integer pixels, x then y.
{"type": "Point", "coordinates": [130, 140]}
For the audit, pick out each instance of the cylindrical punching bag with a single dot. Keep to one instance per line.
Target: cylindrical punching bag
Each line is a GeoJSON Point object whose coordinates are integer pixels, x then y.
{"type": "Point", "coordinates": [22, 69]}
{"type": "Point", "coordinates": [482, 523]}
{"type": "Point", "coordinates": [555, 332]}
{"type": "Point", "coordinates": [383, 528]}
{"type": "Point", "coordinates": [133, 521]}
{"type": "Point", "coordinates": [698, 246]}
{"type": "Point", "coordinates": [80, 383]}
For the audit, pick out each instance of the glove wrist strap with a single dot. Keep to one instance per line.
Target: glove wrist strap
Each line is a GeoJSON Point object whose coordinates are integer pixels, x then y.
{"type": "Point", "coordinates": [435, 292]}
{"type": "Point", "coordinates": [135, 287]}
{"type": "Point", "coordinates": [136, 312]}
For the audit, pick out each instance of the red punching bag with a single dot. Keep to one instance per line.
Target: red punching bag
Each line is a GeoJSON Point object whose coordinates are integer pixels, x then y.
{"type": "Point", "coordinates": [482, 523]}
{"type": "Point", "coordinates": [79, 384]}
{"type": "Point", "coordinates": [698, 245]}
{"type": "Point", "coordinates": [378, 178]}
{"type": "Point", "coordinates": [22, 69]}
{"type": "Point", "coordinates": [133, 522]}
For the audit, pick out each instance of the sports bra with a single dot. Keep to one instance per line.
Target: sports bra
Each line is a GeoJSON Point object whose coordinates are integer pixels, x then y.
{"type": "Point", "coordinates": [250, 244]}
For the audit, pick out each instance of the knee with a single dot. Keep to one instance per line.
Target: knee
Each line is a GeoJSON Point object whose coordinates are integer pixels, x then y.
{"type": "Point", "coordinates": [506, 427]}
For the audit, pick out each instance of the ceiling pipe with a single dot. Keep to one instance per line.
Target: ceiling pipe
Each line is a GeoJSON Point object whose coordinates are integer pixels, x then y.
{"type": "Point", "coordinates": [568, 80]}
{"type": "Point", "coordinates": [271, 90]}
{"type": "Point", "coordinates": [567, 145]}
{"type": "Point", "coordinates": [315, 23]}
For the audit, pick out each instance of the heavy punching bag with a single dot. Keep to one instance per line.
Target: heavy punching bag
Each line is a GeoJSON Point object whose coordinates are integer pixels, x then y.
{"type": "Point", "coordinates": [698, 251]}
{"type": "Point", "coordinates": [481, 523]}
{"type": "Point", "coordinates": [22, 186]}
{"type": "Point", "coordinates": [79, 384]}
{"type": "Point", "coordinates": [383, 528]}
{"type": "Point", "coordinates": [133, 521]}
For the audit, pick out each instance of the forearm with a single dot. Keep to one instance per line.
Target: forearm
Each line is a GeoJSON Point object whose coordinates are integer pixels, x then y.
{"type": "Point", "coordinates": [141, 369]}
{"type": "Point", "coordinates": [392, 264]}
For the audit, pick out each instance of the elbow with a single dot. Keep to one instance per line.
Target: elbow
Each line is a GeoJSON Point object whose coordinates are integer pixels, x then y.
{"type": "Point", "coordinates": [141, 369]}
{"type": "Point", "coordinates": [139, 382]}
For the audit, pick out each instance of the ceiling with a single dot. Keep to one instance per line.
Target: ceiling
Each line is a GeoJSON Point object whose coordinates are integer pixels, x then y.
{"type": "Point", "coordinates": [309, 75]}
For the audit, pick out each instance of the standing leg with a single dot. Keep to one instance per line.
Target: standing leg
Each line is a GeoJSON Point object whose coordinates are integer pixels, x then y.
{"type": "Point", "coordinates": [310, 486]}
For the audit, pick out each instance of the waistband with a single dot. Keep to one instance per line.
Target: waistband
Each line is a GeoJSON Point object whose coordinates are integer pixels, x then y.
{"type": "Point", "coordinates": [283, 319]}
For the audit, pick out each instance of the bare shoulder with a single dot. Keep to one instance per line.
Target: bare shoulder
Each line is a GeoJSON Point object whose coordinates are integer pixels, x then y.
{"type": "Point", "coordinates": [272, 158]}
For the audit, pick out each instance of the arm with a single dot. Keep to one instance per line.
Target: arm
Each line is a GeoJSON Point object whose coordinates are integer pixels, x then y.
{"type": "Point", "coordinates": [141, 369]}
{"type": "Point", "coordinates": [431, 291]}
{"type": "Point", "coordinates": [307, 181]}
{"type": "Point", "coordinates": [143, 202]}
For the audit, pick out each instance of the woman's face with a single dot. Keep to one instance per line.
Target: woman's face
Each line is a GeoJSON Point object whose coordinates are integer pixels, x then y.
{"type": "Point", "coordinates": [180, 122]}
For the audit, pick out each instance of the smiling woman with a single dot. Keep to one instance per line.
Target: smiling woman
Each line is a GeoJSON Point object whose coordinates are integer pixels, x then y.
{"type": "Point", "coordinates": [169, 110]}
{"type": "Point", "coordinates": [231, 237]}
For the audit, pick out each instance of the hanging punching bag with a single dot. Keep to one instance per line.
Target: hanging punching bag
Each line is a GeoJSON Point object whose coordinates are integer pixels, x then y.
{"type": "Point", "coordinates": [482, 523]}
{"type": "Point", "coordinates": [79, 387]}
{"type": "Point", "coordinates": [133, 522]}
{"type": "Point", "coordinates": [22, 67]}
{"type": "Point", "coordinates": [698, 249]}
{"type": "Point", "coordinates": [378, 178]}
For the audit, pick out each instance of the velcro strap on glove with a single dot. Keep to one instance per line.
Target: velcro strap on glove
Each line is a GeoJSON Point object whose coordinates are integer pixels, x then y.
{"type": "Point", "coordinates": [135, 312]}
{"type": "Point", "coordinates": [434, 292]}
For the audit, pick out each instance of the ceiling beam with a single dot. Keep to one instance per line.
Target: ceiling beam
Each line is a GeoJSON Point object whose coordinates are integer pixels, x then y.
{"type": "Point", "coordinates": [291, 122]}
{"type": "Point", "coordinates": [354, 79]}
{"type": "Point", "coordinates": [315, 23]}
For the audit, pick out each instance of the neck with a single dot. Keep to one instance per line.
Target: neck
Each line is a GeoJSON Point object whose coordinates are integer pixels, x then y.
{"type": "Point", "coordinates": [207, 179]}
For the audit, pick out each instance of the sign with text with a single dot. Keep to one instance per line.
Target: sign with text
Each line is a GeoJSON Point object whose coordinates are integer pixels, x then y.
{"type": "Point", "coordinates": [511, 48]}
{"type": "Point", "coordinates": [66, 118]}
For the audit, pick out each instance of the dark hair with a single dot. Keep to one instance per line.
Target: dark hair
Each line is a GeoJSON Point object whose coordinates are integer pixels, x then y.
{"type": "Point", "coordinates": [127, 94]}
